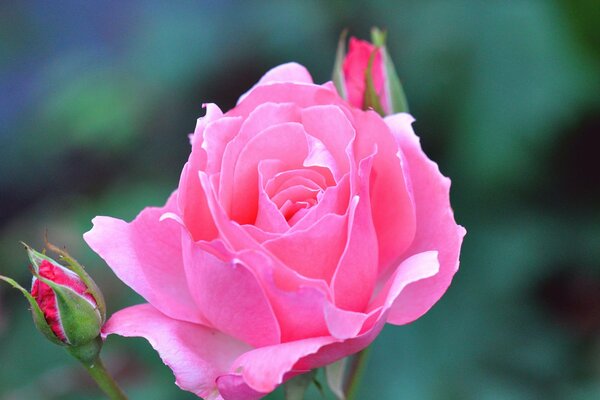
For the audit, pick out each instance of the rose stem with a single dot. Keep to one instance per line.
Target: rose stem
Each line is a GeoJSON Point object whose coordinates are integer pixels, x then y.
{"type": "Point", "coordinates": [106, 382]}
{"type": "Point", "coordinates": [357, 367]}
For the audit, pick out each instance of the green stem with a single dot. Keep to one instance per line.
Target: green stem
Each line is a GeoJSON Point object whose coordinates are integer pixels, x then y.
{"type": "Point", "coordinates": [355, 374]}
{"type": "Point", "coordinates": [104, 380]}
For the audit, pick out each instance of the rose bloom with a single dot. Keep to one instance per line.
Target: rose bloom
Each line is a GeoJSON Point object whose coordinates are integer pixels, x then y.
{"type": "Point", "coordinates": [301, 225]}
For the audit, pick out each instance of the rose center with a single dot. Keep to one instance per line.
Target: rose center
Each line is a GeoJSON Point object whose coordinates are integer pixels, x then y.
{"type": "Point", "coordinates": [295, 192]}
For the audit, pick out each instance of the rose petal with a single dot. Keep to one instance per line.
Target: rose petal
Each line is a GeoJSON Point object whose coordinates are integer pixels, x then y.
{"type": "Point", "coordinates": [298, 302]}
{"type": "Point", "coordinates": [301, 94]}
{"type": "Point", "coordinates": [230, 296]}
{"type": "Point", "coordinates": [268, 217]}
{"type": "Point", "coordinates": [334, 200]}
{"type": "Point", "coordinates": [193, 207]}
{"type": "Point", "coordinates": [356, 273]}
{"type": "Point", "coordinates": [264, 368]}
{"type": "Point", "coordinates": [285, 142]}
{"type": "Point", "coordinates": [329, 125]}
{"type": "Point", "coordinates": [393, 207]}
{"type": "Point", "coordinates": [290, 72]}
{"type": "Point", "coordinates": [315, 251]}
{"type": "Point", "coordinates": [213, 113]}
{"type": "Point", "coordinates": [146, 255]}
{"type": "Point", "coordinates": [436, 228]}
{"type": "Point", "coordinates": [197, 355]}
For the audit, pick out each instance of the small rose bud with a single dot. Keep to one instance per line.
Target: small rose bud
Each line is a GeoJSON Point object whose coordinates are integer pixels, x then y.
{"type": "Point", "coordinates": [67, 306]}
{"type": "Point", "coordinates": [366, 76]}
{"type": "Point", "coordinates": [73, 291]}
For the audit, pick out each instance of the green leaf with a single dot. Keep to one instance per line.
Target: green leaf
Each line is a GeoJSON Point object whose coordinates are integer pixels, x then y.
{"type": "Point", "coordinates": [80, 321]}
{"type": "Point", "coordinates": [335, 377]}
{"type": "Point", "coordinates": [338, 72]}
{"type": "Point", "coordinates": [38, 316]}
{"type": "Point", "coordinates": [371, 99]}
{"type": "Point", "coordinates": [295, 388]}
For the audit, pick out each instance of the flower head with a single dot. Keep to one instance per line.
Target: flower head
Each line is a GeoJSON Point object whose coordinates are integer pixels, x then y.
{"type": "Point", "coordinates": [300, 226]}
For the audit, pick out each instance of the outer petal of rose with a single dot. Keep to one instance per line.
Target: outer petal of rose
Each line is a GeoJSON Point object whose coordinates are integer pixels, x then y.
{"type": "Point", "coordinates": [409, 273]}
{"type": "Point", "coordinates": [197, 355]}
{"type": "Point", "coordinates": [146, 255]}
{"type": "Point", "coordinates": [233, 387]}
{"type": "Point", "coordinates": [289, 72]}
{"type": "Point", "coordinates": [229, 296]}
{"type": "Point", "coordinates": [193, 208]}
{"type": "Point", "coordinates": [213, 113]}
{"type": "Point", "coordinates": [264, 368]}
{"type": "Point", "coordinates": [303, 311]}
{"type": "Point", "coordinates": [393, 207]}
{"type": "Point", "coordinates": [301, 94]}
{"type": "Point", "coordinates": [413, 270]}
{"type": "Point", "coordinates": [436, 227]}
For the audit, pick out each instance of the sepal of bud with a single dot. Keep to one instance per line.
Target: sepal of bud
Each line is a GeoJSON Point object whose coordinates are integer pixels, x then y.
{"type": "Point", "coordinates": [38, 315]}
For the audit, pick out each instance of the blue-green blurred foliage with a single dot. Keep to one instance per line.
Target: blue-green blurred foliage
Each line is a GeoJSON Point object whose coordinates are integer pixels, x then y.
{"type": "Point", "coordinates": [96, 100]}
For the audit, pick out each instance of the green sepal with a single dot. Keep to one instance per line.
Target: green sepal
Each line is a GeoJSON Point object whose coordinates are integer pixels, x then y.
{"type": "Point", "coordinates": [397, 97]}
{"type": "Point", "coordinates": [38, 316]}
{"type": "Point", "coordinates": [295, 388]}
{"type": "Point", "coordinates": [335, 374]}
{"type": "Point", "coordinates": [36, 257]}
{"type": "Point", "coordinates": [74, 266]}
{"type": "Point", "coordinates": [371, 99]}
{"type": "Point", "coordinates": [338, 66]}
{"type": "Point", "coordinates": [378, 37]}
{"type": "Point", "coordinates": [80, 321]}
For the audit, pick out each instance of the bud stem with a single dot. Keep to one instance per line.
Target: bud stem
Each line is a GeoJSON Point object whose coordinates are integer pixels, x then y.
{"type": "Point", "coordinates": [104, 380]}
{"type": "Point", "coordinates": [357, 368]}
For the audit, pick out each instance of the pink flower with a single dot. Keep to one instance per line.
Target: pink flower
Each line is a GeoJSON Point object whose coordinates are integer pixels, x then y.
{"type": "Point", "coordinates": [354, 68]}
{"type": "Point", "coordinates": [301, 225]}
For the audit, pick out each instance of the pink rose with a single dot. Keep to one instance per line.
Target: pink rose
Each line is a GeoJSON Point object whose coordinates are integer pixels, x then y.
{"type": "Point", "coordinates": [301, 225]}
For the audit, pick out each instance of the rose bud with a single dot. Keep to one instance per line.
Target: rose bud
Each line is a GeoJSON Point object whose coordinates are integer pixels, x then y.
{"type": "Point", "coordinates": [366, 76]}
{"type": "Point", "coordinates": [67, 306]}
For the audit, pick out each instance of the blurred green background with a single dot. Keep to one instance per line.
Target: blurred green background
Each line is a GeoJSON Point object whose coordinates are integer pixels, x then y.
{"type": "Point", "coordinates": [96, 100]}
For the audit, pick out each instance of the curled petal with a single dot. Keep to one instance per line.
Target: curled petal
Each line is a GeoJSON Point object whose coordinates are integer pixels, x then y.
{"type": "Point", "coordinates": [436, 228]}
{"type": "Point", "coordinates": [197, 355]}
{"type": "Point", "coordinates": [146, 255]}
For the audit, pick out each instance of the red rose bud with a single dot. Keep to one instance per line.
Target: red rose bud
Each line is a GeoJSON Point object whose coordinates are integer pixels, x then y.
{"type": "Point", "coordinates": [47, 298]}
{"type": "Point", "coordinates": [67, 306]}
{"type": "Point", "coordinates": [366, 76]}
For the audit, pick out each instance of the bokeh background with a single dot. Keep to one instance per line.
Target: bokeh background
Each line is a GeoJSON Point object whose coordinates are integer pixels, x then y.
{"type": "Point", "coordinates": [97, 98]}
